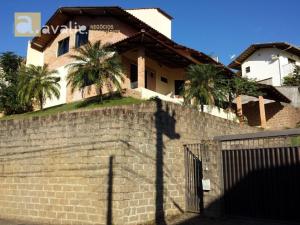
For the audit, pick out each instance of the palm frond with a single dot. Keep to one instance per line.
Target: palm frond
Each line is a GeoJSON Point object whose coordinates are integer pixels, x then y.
{"type": "Point", "coordinates": [95, 64]}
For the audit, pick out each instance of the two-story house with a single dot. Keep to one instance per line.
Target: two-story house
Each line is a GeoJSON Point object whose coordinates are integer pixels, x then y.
{"type": "Point", "coordinates": [268, 63]}
{"type": "Point", "coordinates": [153, 64]}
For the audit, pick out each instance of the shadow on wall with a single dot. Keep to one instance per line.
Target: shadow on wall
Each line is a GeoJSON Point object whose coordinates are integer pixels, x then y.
{"type": "Point", "coordinates": [109, 191]}
{"type": "Point", "coordinates": [165, 125]}
{"type": "Point", "coordinates": [263, 189]}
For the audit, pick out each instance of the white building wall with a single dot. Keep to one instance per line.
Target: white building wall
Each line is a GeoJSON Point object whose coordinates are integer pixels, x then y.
{"type": "Point", "coordinates": [155, 19]}
{"type": "Point", "coordinates": [62, 74]}
{"type": "Point", "coordinates": [263, 66]}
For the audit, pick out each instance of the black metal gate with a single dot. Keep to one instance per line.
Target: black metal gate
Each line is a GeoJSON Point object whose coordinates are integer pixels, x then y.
{"type": "Point", "coordinates": [193, 171]}
{"type": "Point", "coordinates": [262, 177]}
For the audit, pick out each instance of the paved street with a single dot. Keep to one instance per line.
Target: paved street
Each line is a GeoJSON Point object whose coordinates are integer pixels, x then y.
{"type": "Point", "coordinates": [192, 220]}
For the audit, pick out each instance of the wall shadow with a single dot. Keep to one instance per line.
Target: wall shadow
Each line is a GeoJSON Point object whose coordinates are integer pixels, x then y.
{"type": "Point", "coordinates": [165, 125]}
{"type": "Point", "coordinates": [109, 191]}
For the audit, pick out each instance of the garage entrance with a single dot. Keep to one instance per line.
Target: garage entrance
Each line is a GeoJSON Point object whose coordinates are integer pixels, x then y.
{"type": "Point", "coordinates": [261, 174]}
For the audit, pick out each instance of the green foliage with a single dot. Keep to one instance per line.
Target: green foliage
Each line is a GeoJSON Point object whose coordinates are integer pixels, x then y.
{"type": "Point", "coordinates": [209, 85]}
{"type": "Point", "coordinates": [293, 79]}
{"type": "Point", "coordinates": [9, 78]}
{"type": "Point", "coordinates": [244, 86]}
{"type": "Point", "coordinates": [95, 64]}
{"type": "Point", "coordinates": [38, 83]}
{"type": "Point", "coordinates": [90, 103]}
{"type": "Point", "coordinates": [205, 86]}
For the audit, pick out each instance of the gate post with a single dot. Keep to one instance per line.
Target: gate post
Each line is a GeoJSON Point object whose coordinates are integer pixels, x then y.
{"type": "Point", "coordinates": [212, 170]}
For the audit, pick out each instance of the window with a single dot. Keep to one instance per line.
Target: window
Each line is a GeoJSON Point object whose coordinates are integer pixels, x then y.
{"type": "Point", "coordinates": [248, 69]}
{"type": "Point", "coordinates": [133, 76]}
{"type": "Point", "coordinates": [179, 84]}
{"type": "Point", "coordinates": [81, 38]}
{"type": "Point", "coordinates": [164, 79]}
{"type": "Point", "coordinates": [63, 47]}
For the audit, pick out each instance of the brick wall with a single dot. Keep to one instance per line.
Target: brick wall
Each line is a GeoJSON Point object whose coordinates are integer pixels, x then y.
{"type": "Point", "coordinates": [278, 116]}
{"type": "Point", "coordinates": [101, 166]}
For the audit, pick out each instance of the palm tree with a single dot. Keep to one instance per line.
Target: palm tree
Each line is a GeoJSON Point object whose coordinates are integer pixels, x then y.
{"type": "Point", "coordinates": [204, 85]}
{"type": "Point", "coordinates": [95, 64]}
{"type": "Point", "coordinates": [38, 83]}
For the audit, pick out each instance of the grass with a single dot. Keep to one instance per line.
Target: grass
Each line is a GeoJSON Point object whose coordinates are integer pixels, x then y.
{"type": "Point", "coordinates": [90, 103]}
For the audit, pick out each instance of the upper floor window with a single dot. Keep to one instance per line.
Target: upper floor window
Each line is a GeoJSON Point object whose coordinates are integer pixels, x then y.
{"type": "Point", "coordinates": [164, 79]}
{"type": "Point", "coordinates": [63, 46]}
{"type": "Point", "coordinates": [81, 38]}
{"type": "Point", "coordinates": [248, 69]}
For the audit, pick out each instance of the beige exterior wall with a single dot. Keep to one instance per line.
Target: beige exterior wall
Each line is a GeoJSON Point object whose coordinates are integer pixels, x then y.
{"type": "Point", "coordinates": [159, 70]}
{"type": "Point", "coordinates": [120, 31]}
{"type": "Point", "coordinates": [155, 19]}
{"type": "Point", "coordinates": [34, 57]}
{"type": "Point", "coordinates": [151, 65]}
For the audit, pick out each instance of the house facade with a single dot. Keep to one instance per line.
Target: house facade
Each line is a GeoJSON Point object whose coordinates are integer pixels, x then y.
{"type": "Point", "coordinates": [268, 63]}
{"type": "Point", "coordinates": [153, 64]}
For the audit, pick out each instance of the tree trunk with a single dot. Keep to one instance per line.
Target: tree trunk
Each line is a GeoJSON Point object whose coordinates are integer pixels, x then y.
{"type": "Point", "coordinates": [202, 107]}
{"type": "Point", "coordinates": [41, 103]}
{"type": "Point", "coordinates": [230, 99]}
{"type": "Point", "coordinates": [100, 94]}
{"type": "Point", "coordinates": [41, 100]}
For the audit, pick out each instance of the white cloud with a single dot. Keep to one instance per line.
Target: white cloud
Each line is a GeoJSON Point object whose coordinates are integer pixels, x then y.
{"type": "Point", "coordinates": [232, 56]}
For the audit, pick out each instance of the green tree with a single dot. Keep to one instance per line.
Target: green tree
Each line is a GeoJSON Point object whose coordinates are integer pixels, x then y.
{"type": "Point", "coordinates": [95, 64]}
{"type": "Point", "coordinates": [38, 83]}
{"type": "Point", "coordinates": [243, 86]}
{"type": "Point", "coordinates": [293, 79]}
{"type": "Point", "coordinates": [9, 77]}
{"type": "Point", "coordinates": [206, 85]}
{"type": "Point", "coordinates": [209, 85]}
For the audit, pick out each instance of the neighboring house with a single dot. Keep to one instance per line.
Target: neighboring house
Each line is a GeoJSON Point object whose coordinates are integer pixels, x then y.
{"type": "Point", "coordinates": [268, 63]}
{"type": "Point", "coordinates": [153, 64]}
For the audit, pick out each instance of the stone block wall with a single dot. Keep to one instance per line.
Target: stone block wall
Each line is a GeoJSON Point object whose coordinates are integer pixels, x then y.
{"type": "Point", "coordinates": [118, 165]}
{"type": "Point", "coordinates": [279, 116]}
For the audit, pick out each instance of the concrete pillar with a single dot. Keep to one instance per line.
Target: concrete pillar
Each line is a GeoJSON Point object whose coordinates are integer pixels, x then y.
{"type": "Point", "coordinates": [141, 67]}
{"type": "Point", "coordinates": [262, 112]}
{"type": "Point", "coordinates": [239, 106]}
{"type": "Point", "coordinates": [239, 109]}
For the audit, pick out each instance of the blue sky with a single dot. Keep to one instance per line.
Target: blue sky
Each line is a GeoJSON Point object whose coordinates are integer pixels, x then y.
{"type": "Point", "coordinates": [221, 28]}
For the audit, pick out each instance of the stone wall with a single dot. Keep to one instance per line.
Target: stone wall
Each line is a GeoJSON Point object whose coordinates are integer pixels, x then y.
{"type": "Point", "coordinates": [119, 165]}
{"type": "Point", "coordinates": [279, 116]}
